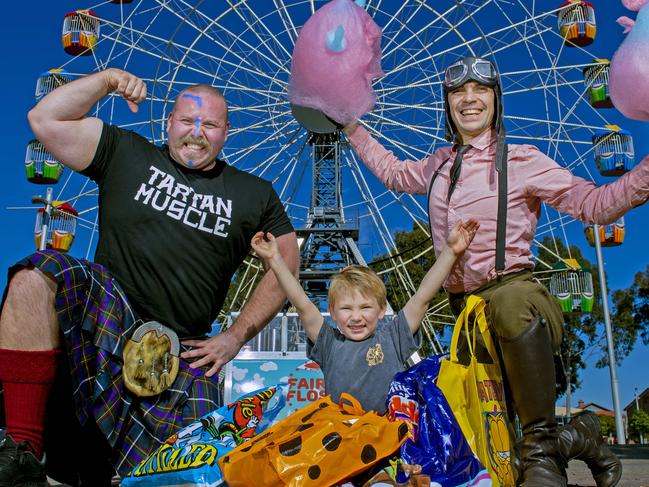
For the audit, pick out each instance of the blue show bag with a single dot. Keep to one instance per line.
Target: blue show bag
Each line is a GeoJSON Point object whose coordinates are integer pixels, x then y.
{"type": "Point", "coordinates": [436, 441]}
{"type": "Point", "coordinates": [190, 456]}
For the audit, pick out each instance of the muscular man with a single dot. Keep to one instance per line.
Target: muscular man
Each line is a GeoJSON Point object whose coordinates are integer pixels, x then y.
{"type": "Point", "coordinates": [479, 175]}
{"type": "Point", "coordinates": [175, 224]}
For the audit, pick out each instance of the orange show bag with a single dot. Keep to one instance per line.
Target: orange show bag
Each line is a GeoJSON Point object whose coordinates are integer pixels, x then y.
{"type": "Point", "coordinates": [321, 444]}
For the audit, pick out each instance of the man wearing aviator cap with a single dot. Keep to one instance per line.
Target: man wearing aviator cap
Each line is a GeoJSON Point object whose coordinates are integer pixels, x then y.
{"type": "Point", "coordinates": [481, 176]}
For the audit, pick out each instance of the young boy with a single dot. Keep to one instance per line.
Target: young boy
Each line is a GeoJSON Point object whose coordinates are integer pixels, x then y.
{"type": "Point", "coordinates": [362, 355]}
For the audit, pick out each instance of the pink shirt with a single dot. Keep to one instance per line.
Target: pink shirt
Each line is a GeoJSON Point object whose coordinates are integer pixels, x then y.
{"type": "Point", "coordinates": [533, 177]}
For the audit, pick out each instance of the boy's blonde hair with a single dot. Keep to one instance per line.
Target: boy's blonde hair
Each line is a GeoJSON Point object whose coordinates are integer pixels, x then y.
{"type": "Point", "coordinates": [357, 278]}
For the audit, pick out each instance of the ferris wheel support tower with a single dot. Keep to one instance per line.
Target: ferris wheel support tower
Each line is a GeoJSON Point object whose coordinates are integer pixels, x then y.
{"type": "Point", "coordinates": [328, 240]}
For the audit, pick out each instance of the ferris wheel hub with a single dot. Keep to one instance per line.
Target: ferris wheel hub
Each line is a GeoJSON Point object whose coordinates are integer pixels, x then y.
{"type": "Point", "coordinates": [313, 120]}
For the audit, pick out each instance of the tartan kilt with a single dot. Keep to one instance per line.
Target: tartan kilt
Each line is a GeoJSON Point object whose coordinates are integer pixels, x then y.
{"type": "Point", "coordinates": [96, 321]}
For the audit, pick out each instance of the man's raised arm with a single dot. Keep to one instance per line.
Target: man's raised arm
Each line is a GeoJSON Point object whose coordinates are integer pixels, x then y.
{"type": "Point", "coordinates": [60, 122]}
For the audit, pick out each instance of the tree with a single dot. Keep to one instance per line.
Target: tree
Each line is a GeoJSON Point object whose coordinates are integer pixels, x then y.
{"type": "Point", "coordinates": [630, 316]}
{"type": "Point", "coordinates": [639, 423]}
{"type": "Point", "coordinates": [607, 424]}
{"type": "Point", "coordinates": [244, 281]}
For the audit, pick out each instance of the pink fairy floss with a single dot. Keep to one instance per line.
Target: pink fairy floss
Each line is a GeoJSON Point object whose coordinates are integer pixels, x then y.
{"type": "Point", "coordinates": [336, 57]}
{"type": "Point", "coordinates": [629, 75]}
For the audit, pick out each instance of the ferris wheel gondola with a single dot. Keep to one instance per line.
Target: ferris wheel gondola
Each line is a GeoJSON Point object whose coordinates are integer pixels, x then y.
{"type": "Point", "coordinates": [614, 153]}
{"type": "Point", "coordinates": [596, 78]}
{"type": "Point", "coordinates": [41, 167]}
{"type": "Point", "coordinates": [610, 235]}
{"type": "Point", "coordinates": [577, 23]}
{"type": "Point", "coordinates": [80, 32]}
{"type": "Point", "coordinates": [61, 226]}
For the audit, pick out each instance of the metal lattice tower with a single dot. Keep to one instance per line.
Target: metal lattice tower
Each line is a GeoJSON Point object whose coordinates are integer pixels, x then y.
{"type": "Point", "coordinates": [328, 241]}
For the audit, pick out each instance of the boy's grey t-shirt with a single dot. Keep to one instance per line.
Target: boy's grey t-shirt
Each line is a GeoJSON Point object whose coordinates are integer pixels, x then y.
{"type": "Point", "coordinates": [365, 368]}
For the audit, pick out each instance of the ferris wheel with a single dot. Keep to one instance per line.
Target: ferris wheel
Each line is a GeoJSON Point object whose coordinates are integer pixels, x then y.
{"type": "Point", "coordinates": [243, 47]}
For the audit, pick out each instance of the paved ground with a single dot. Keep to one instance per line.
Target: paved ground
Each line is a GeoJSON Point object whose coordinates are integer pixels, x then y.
{"type": "Point", "coordinates": [635, 468]}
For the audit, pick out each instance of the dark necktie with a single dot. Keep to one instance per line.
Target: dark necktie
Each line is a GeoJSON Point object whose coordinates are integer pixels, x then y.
{"type": "Point", "coordinates": [455, 169]}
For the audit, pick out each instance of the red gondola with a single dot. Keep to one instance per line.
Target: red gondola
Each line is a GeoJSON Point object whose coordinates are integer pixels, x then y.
{"type": "Point", "coordinates": [80, 32]}
{"type": "Point", "coordinates": [577, 23]}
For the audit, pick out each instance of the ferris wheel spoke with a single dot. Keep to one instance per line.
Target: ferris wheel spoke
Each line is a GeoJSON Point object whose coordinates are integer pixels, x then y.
{"type": "Point", "coordinates": [258, 22]}
{"type": "Point", "coordinates": [236, 156]}
{"type": "Point", "coordinates": [469, 42]}
{"type": "Point", "coordinates": [276, 159]}
{"type": "Point", "coordinates": [286, 19]}
{"type": "Point", "coordinates": [558, 122]}
{"type": "Point", "coordinates": [372, 209]}
{"type": "Point", "coordinates": [412, 152]}
{"type": "Point", "coordinates": [133, 38]}
{"type": "Point", "coordinates": [161, 52]}
{"type": "Point", "coordinates": [233, 38]}
{"type": "Point", "coordinates": [422, 152]}
{"type": "Point", "coordinates": [393, 35]}
{"type": "Point", "coordinates": [371, 201]}
{"type": "Point", "coordinates": [262, 122]}
{"type": "Point", "coordinates": [285, 193]}
{"type": "Point", "coordinates": [446, 27]}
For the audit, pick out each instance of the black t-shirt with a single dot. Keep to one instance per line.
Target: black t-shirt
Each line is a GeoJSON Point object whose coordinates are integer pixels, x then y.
{"type": "Point", "coordinates": [172, 236]}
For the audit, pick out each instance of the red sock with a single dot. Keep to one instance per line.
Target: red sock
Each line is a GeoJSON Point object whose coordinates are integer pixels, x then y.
{"type": "Point", "coordinates": [27, 378]}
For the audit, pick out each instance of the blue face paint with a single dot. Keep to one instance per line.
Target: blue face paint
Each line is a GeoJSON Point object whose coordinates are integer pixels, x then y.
{"type": "Point", "coordinates": [196, 98]}
{"type": "Point", "coordinates": [190, 163]}
{"type": "Point", "coordinates": [197, 126]}
{"type": "Point", "coordinates": [336, 39]}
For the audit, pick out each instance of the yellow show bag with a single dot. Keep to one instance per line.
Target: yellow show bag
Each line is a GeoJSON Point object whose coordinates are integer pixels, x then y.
{"type": "Point", "coordinates": [321, 444]}
{"type": "Point", "coordinates": [475, 393]}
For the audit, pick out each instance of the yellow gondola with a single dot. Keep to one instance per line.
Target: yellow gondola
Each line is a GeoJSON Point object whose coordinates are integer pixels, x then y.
{"type": "Point", "coordinates": [609, 235]}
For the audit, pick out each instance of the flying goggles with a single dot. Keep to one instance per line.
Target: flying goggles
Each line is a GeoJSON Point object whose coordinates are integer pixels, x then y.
{"type": "Point", "coordinates": [467, 69]}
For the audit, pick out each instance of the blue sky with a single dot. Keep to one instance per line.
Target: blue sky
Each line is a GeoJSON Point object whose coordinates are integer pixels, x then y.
{"type": "Point", "coordinates": [31, 44]}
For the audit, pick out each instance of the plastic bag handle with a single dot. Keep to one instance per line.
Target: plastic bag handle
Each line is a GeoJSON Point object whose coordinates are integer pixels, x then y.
{"type": "Point", "coordinates": [350, 404]}
{"type": "Point", "coordinates": [483, 328]}
{"type": "Point", "coordinates": [476, 305]}
{"type": "Point", "coordinates": [462, 322]}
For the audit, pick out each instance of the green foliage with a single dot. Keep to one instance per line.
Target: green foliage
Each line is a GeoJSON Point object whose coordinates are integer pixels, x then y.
{"type": "Point", "coordinates": [639, 424]}
{"type": "Point", "coordinates": [608, 425]}
{"type": "Point", "coordinates": [248, 275]}
{"type": "Point", "coordinates": [630, 316]}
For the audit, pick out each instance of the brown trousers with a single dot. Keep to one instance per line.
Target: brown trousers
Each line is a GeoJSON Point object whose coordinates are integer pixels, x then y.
{"type": "Point", "coordinates": [512, 302]}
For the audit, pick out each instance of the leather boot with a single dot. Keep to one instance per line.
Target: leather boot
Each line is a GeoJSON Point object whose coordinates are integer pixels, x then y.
{"type": "Point", "coordinates": [581, 439]}
{"type": "Point", "coordinates": [529, 368]}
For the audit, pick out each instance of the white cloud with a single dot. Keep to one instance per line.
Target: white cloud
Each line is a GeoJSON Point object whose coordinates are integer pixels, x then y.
{"type": "Point", "coordinates": [238, 374]}
{"type": "Point", "coordinates": [248, 386]}
{"type": "Point", "coordinates": [267, 366]}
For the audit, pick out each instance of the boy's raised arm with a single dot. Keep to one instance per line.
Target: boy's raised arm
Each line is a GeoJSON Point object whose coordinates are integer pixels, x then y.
{"type": "Point", "coordinates": [267, 250]}
{"type": "Point", "coordinates": [457, 242]}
